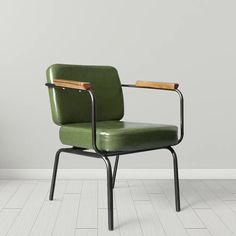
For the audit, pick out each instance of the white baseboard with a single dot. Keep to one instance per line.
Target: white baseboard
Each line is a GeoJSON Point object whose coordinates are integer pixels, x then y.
{"type": "Point", "coordinates": [121, 173]}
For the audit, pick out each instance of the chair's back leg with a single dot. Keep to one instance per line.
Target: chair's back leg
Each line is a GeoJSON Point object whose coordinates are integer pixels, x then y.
{"type": "Point", "coordinates": [109, 193]}
{"type": "Point", "coordinates": [54, 174]}
{"type": "Point", "coordinates": [176, 179]}
{"type": "Point", "coordinates": [114, 171]}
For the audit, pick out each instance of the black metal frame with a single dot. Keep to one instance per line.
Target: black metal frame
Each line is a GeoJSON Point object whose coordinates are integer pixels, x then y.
{"type": "Point", "coordinates": [104, 155]}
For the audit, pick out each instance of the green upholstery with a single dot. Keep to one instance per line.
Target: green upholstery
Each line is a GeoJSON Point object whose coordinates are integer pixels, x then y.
{"type": "Point", "coordinates": [71, 110]}
{"type": "Point", "coordinates": [119, 135]}
{"type": "Point", "coordinates": [71, 106]}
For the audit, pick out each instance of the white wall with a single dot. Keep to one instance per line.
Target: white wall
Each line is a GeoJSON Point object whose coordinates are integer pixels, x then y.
{"type": "Point", "coordinates": [192, 42]}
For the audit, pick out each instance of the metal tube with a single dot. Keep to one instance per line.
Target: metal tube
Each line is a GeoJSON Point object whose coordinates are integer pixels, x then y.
{"type": "Point", "coordinates": [93, 120]}
{"type": "Point", "coordinates": [176, 178]}
{"type": "Point", "coordinates": [80, 151]}
{"type": "Point", "coordinates": [181, 115]}
{"type": "Point", "coordinates": [114, 171]}
{"type": "Point", "coordinates": [54, 174]}
{"type": "Point", "coordinates": [109, 193]}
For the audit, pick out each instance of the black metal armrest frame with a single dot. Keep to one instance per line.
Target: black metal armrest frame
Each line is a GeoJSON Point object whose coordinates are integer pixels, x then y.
{"type": "Point", "coordinates": [93, 109]}
{"type": "Point", "coordinates": [181, 106]}
{"type": "Point", "coordinates": [94, 117]}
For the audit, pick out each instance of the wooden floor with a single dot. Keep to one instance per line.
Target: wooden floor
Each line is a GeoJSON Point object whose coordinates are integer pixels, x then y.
{"type": "Point", "coordinates": [142, 207]}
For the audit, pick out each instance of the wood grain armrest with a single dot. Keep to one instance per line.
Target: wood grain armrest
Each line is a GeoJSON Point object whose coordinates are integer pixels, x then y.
{"type": "Point", "coordinates": [72, 84]}
{"type": "Point", "coordinates": [160, 85]}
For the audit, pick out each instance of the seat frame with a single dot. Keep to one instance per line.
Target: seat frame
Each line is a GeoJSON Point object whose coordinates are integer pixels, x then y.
{"type": "Point", "coordinates": [111, 174]}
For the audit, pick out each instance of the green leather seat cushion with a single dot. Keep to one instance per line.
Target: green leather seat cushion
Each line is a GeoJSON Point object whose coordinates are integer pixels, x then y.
{"type": "Point", "coordinates": [119, 135]}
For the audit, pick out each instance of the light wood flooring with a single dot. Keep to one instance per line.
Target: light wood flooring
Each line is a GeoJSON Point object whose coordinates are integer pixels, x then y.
{"type": "Point", "coordinates": [142, 207]}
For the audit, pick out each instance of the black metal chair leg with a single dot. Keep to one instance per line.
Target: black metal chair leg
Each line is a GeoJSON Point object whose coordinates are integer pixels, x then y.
{"type": "Point", "coordinates": [114, 171]}
{"type": "Point", "coordinates": [176, 179]}
{"type": "Point", "coordinates": [54, 174]}
{"type": "Point", "coordinates": [109, 193]}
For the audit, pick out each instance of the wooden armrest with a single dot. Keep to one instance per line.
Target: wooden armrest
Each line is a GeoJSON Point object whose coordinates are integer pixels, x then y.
{"type": "Point", "coordinates": [72, 84]}
{"type": "Point", "coordinates": [160, 85]}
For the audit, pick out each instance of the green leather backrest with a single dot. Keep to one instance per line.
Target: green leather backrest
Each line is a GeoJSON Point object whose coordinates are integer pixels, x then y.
{"type": "Point", "coordinates": [72, 106]}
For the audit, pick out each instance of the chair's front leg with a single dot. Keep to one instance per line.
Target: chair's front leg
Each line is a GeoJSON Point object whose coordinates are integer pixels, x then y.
{"type": "Point", "coordinates": [109, 193]}
{"type": "Point", "coordinates": [176, 179]}
{"type": "Point", "coordinates": [54, 174]}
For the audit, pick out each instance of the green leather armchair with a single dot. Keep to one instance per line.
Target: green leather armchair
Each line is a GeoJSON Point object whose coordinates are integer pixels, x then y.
{"type": "Point", "coordinates": [87, 103]}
